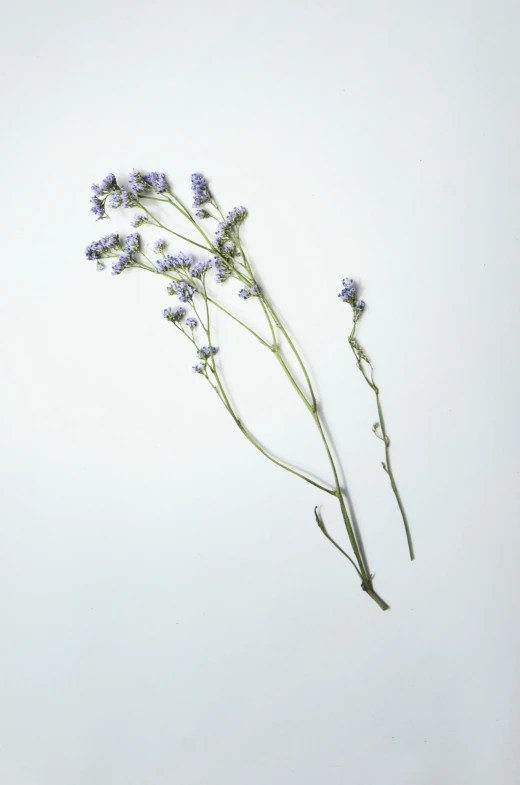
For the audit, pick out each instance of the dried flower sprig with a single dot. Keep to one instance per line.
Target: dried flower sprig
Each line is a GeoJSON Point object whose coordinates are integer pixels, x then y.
{"type": "Point", "coordinates": [188, 280]}
{"type": "Point", "coordinates": [348, 295]}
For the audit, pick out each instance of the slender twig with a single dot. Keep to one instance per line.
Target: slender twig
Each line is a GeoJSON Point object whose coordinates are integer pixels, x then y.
{"type": "Point", "coordinates": [379, 427]}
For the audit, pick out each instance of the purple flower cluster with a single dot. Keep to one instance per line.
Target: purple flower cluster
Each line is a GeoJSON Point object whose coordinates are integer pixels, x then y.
{"type": "Point", "coordinates": [158, 181]}
{"type": "Point", "coordinates": [107, 184]}
{"type": "Point", "coordinates": [100, 195]}
{"type": "Point", "coordinates": [236, 216]}
{"type": "Point", "coordinates": [148, 181]}
{"type": "Point", "coordinates": [107, 189]}
{"type": "Point", "coordinates": [205, 352]}
{"type": "Point", "coordinates": [126, 259]}
{"type": "Point", "coordinates": [197, 369]}
{"type": "Point", "coordinates": [183, 289]}
{"type": "Point", "coordinates": [224, 270]}
{"type": "Point", "coordinates": [200, 188]}
{"type": "Point", "coordinates": [98, 207]}
{"type": "Point", "coordinates": [200, 268]}
{"type": "Point", "coordinates": [110, 194]}
{"type": "Point", "coordinates": [173, 314]}
{"type": "Point", "coordinates": [226, 235]}
{"type": "Point", "coordinates": [159, 245]}
{"type": "Point", "coordinates": [232, 223]}
{"type": "Point", "coordinates": [103, 247]}
{"type": "Point", "coordinates": [249, 291]}
{"type": "Point", "coordinates": [132, 242]}
{"type": "Point", "coordinates": [348, 294]}
{"type": "Point", "coordinates": [139, 219]}
{"type": "Point", "coordinates": [202, 214]}
{"type": "Point", "coordinates": [191, 322]}
{"type": "Point", "coordinates": [120, 197]}
{"type": "Point", "coordinates": [180, 262]}
{"type": "Point", "coordinates": [121, 263]}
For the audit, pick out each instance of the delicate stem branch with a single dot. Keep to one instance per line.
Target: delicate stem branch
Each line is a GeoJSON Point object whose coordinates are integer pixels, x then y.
{"type": "Point", "coordinates": [241, 426]}
{"type": "Point", "coordinates": [158, 224]}
{"type": "Point", "coordinates": [327, 535]}
{"type": "Point", "coordinates": [361, 358]}
{"type": "Point", "coordinates": [236, 319]}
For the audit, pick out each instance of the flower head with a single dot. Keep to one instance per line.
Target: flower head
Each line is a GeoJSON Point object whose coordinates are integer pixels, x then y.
{"type": "Point", "coordinates": [249, 291]}
{"type": "Point", "coordinates": [127, 198]}
{"type": "Point", "coordinates": [108, 184]}
{"type": "Point", "coordinates": [139, 219]}
{"type": "Point", "coordinates": [200, 188]}
{"type": "Point", "coordinates": [236, 216]}
{"type": "Point", "coordinates": [348, 292]}
{"type": "Point", "coordinates": [206, 351]}
{"type": "Point", "coordinates": [159, 245]}
{"type": "Point", "coordinates": [224, 269]}
{"type": "Point", "coordinates": [157, 180]}
{"type": "Point", "coordinates": [132, 241]}
{"type": "Point", "coordinates": [103, 247]}
{"type": "Point", "coordinates": [173, 314]}
{"type": "Point", "coordinates": [98, 207]}
{"type": "Point", "coordinates": [191, 322]}
{"type": "Point", "coordinates": [121, 263]}
{"type": "Point", "coordinates": [198, 269]}
{"type": "Point", "coordinates": [348, 295]}
{"type": "Point", "coordinates": [138, 184]}
{"type": "Point", "coordinates": [197, 369]}
{"type": "Point", "coordinates": [183, 289]}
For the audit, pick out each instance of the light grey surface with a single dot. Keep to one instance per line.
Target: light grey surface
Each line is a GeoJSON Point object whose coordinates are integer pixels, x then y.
{"type": "Point", "coordinates": [169, 612]}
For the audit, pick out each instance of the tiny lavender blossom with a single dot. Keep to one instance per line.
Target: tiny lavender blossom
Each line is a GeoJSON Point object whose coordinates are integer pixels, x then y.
{"type": "Point", "coordinates": [205, 351]}
{"type": "Point", "coordinates": [191, 322]}
{"type": "Point", "coordinates": [139, 219]}
{"type": "Point", "coordinates": [200, 188]}
{"type": "Point", "coordinates": [183, 289]}
{"type": "Point", "coordinates": [159, 245]}
{"type": "Point", "coordinates": [132, 242]}
{"type": "Point", "coordinates": [198, 269]}
{"type": "Point", "coordinates": [249, 291]}
{"type": "Point", "coordinates": [122, 263]}
{"type": "Point", "coordinates": [174, 314]}
{"type": "Point", "coordinates": [348, 292]}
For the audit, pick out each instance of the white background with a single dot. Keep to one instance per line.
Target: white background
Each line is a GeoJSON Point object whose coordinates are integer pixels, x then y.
{"type": "Point", "coordinates": [169, 611]}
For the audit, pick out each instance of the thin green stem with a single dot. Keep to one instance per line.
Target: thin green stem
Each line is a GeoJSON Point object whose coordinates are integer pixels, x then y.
{"type": "Point", "coordinates": [182, 237]}
{"type": "Point", "coordinates": [241, 426]}
{"type": "Point", "coordinates": [236, 319]}
{"type": "Point", "coordinates": [295, 352]}
{"type": "Point", "coordinates": [321, 525]}
{"type": "Point", "coordinates": [361, 358]}
{"type": "Point", "coordinates": [344, 512]}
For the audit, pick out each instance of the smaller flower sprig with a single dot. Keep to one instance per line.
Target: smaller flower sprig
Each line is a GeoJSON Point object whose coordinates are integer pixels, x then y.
{"type": "Point", "coordinates": [348, 295]}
